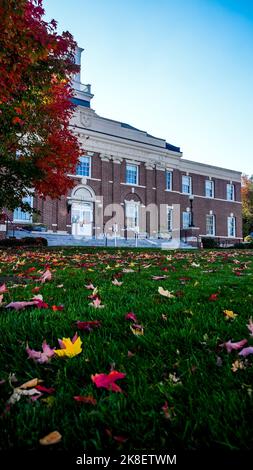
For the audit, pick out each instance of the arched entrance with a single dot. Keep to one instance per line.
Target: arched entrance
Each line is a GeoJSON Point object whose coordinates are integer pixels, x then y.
{"type": "Point", "coordinates": [82, 208]}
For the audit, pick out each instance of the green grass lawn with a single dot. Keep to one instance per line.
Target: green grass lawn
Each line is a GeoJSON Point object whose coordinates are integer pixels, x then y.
{"type": "Point", "coordinates": [181, 389]}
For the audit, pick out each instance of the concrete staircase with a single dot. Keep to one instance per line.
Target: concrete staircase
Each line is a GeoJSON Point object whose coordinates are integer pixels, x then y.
{"type": "Point", "coordinates": [55, 239]}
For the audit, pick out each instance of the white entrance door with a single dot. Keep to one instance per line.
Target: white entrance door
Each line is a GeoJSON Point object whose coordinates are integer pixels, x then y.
{"type": "Point", "coordinates": [82, 218]}
{"type": "Point", "coordinates": [132, 216]}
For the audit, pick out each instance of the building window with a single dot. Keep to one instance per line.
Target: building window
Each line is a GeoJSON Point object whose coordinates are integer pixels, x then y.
{"type": "Point", "coordinates": [230, 192]}
{"type": "Point", "coordinates": [210, 225]}
{"type": "Point", "coordinates": [209, 188]}
{"type": "Point", "coordinates": [169, 180]}
{"type": "Point", "coordinates": [186, 184]}
{"type": "Point", "coordinates": [22, 216]}
{"type": "Point", "coordinates": [169, 219]}
{"type": "Point", "coordinates": [186, 219]}
{"type": "Point", "coordinates": [84, 167]}
{"type": "Point", "coordinates": [132, 215]}
{"type": "Point", "coordinates": [231, 227]}
{"type": "Point", "coordinates": [131, 174]}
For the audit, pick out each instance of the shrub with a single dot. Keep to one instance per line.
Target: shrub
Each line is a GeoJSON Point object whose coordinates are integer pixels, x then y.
{"type": "Point", "coordinates": [210, 243]}
{"type": "Point", "coordinates": [26, 241]}
{"type": "Point", "coordinates": [248, 239]}
{"type": "Point", "coordinates": [243, 246]}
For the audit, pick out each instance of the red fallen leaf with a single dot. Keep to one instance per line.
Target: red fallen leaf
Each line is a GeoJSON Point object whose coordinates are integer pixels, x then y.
{"type": "Point", "coordinates": [45, 389]}
{"type": "Point", "coordinates": [131, 316]}
{"type": "Point", "coordinates": [3, 289]}
{"type": "Point", "coordinates": [213, 297]}
{"type": "Point", "coordinates": [165, 409]}
{"type": "Point", "coordinates": [108, 380]}
{"type": "Point", "coordinates": [90, 286]}
{"type": "Point", "coordinates": [21, 305]}
{"type": "Point", "coordinates": [88, 325]}
{"type": "Point", "coordinates": [120, 439]}
{"type": "Point", "coordinates": [35, 290]}
{"type": "Point", "coordinates": [57, 308]}
{"type": "Point", "coordinates": [89, 399]}
{"type": "Point", "coordinates": [246, 351]}
{"type": "Point", "coordinates": [30, 270]}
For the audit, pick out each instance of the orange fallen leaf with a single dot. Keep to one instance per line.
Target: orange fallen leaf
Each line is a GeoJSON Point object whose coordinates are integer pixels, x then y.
{"type": "Point", "coordinates": [51, 438]}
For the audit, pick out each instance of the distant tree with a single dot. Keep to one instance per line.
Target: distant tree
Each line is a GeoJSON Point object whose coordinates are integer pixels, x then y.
{"type": "Point", "coordinates": [37, 147]}
{"type": "Point", "coordinates": [247, 204]}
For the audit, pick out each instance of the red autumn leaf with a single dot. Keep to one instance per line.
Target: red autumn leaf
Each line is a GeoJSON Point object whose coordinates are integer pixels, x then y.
{"type": "Point", "coordinates": [35, 290]}
{"type": "Point", "coordinates": [108, 380]}
{"type": "Point", "coordinates": [88, 325]}
{"type": "Point", "coordinates": [213, 297]}
{"type": "Point", "coordinates": [89, 399]}
{"type": "Point", "coordinates": [57, 308]}
{"type": "Point", "coordinates": [43, 389]}
{"type": "Point", "coordinates": [131, 316]}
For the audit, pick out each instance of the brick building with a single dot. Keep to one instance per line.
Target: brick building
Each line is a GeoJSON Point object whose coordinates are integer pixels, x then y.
{"type": "Point", "coordinates": [131, 182]}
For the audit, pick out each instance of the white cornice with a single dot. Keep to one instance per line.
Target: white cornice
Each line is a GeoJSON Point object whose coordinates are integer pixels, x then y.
{"type": "Point", "coordinates": [110, 145]}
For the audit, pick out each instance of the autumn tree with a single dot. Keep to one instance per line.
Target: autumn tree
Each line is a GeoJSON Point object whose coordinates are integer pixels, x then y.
{"type": "Point", "coordinates": [247, 204]}
{"type": "Point", "coordinates": [37, 147]}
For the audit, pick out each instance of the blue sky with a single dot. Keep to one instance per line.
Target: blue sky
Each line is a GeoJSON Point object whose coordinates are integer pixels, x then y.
{"type": "Point", "coordinates": [180, 69]}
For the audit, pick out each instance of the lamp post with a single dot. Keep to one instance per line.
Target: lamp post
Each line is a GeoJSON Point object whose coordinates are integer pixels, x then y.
{"type": "Point", "coordinates": [191, 198]}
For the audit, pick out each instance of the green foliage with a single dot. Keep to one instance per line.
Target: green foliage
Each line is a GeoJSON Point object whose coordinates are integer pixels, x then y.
{"type": "Point", "coordinates": [209, 242]}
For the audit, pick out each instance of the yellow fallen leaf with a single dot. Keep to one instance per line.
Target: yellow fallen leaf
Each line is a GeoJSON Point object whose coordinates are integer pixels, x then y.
{"type": "Point", "coordinates": [51, 438]}
{"type": "Point", "coordinates": [69, 348]}
{"type": "Point", "coordinates": [137, 330]}
{"type": "Point", "coordinates": [230, 314]}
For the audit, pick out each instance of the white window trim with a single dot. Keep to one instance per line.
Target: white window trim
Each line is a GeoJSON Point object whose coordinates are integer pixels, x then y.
{"type": "Point", "coordinates": [212, 183]}
{"type": "Point", "coordinates": [214, 225]}
{"type": "Point", "coordinates": [137, 174]}
{"type": "Point", "coordinates": [171, 180]}
{"type": "Point", "coordinates": [189, 216]}
{"type": "Point", "coordinates": [233, 197]}
{"type": "Point", "coordinates": [231, 236]}
{"type": "Point", "coordinates": [190, 180]}
{"type": "Point", "coordinates": [85, 176]}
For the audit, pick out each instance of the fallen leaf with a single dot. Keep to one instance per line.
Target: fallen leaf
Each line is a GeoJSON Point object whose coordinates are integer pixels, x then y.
{"type": "Point", "coordinates": [41, 357]}
{"type": "Point", "coordinates": [108, 380]}
{"type": "Point", "coordinates": [89, 399]}
{"type": "Point", "coordinates": [131, 316]}
{"type": "Point", "coordinates": [137, 329]}
{"type": "Point", "coordinates": [115, 282]}
{"type": "Point", "coordinates": [88, 325]}
{"type": "Point", "coordinates": [158, 278]}
{"type": "Point", "coordinates": [19, 392]}
{"type": "Point", "coordinates": [96, 303]}
{"type": "Point", "coordinates": [51, 438]}
{"type": "Point", "coordinates": [237, 365]}
{"type": "Point", "coordinates": [46, 276]}
{"type": "Point", "coordinates": [213, 297]}
{"type": "Point", "coordinates": [31, 384]}
{"type": "Point", "coordinates": [69, 348]}
{"type": "Point", "coordinates": [1, 299]}
{"type": "Point", "coordinates": [90, 287]}
{"type": "Point", "coordinates": [57, 308]}
{"type": "Point", "coordinates": [229, 314]}
{"type": "Point", "coordinates": [45, 389]}
{"type": "Point", "coordinates": [165, 293]}
{"type": "Point", "coordinates": [231, 346]}
{"type": "Point", "coordinates": [3, 289]}
{"type": "Point", "coordinates": [21, 305]}
{"type": "Point", "coordinates": [246, 351]}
